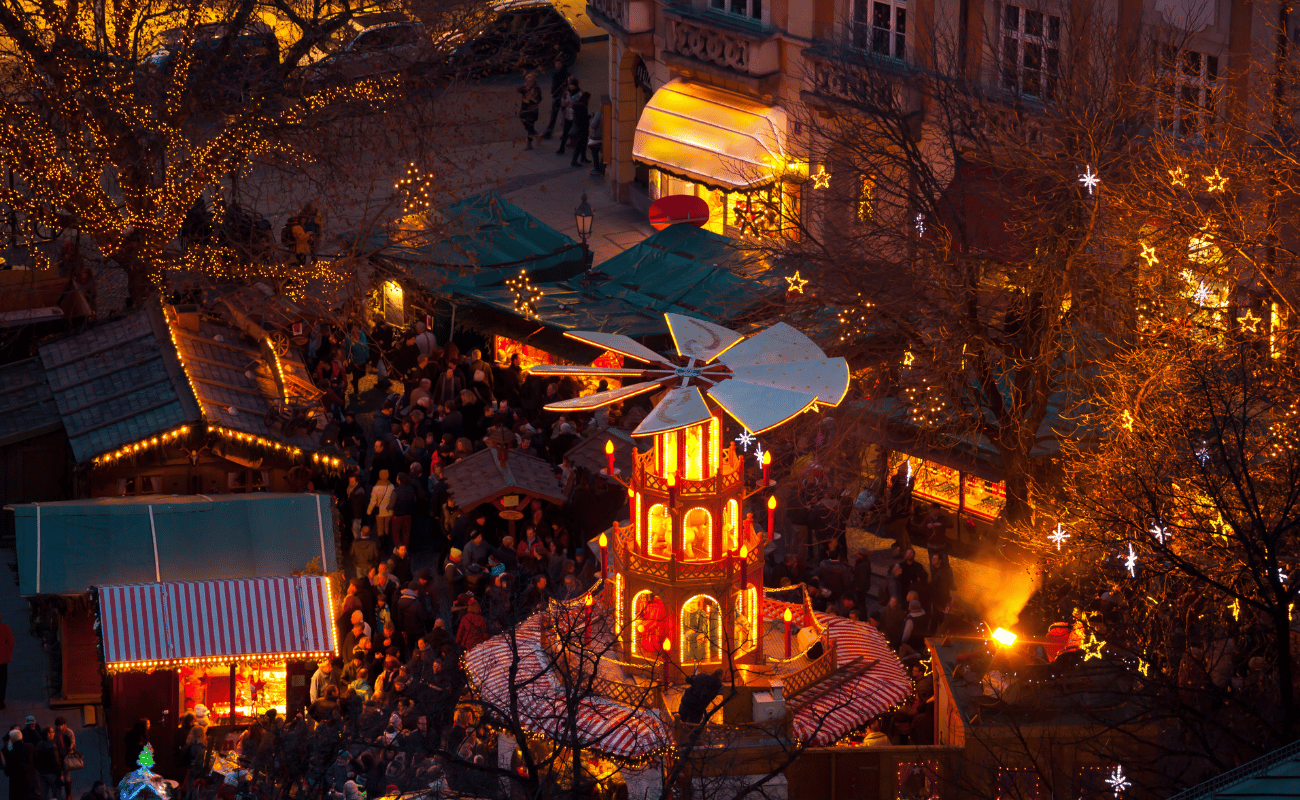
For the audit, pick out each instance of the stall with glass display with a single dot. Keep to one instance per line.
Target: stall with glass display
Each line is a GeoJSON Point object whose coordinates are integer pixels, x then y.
{"type": "Point", "coordinates": [976, 500]}
{"type": "Point", "coordinates": [227, 650]}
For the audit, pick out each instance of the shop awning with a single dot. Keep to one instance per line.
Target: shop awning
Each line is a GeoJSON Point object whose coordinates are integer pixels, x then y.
{"type": "Point", "coordinates": [711, 136]}
{"type": "Point", "coordinates": [155, 624]}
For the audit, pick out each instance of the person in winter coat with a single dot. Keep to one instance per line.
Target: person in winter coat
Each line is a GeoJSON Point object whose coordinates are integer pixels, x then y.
{"type": "Point", "coordinates": [473, 627]}
{"type": "Point", "coordinates": [894, 617]}
{"type": "Point", "coordinates": [915, 627]}
{"type": "Point", "coordinates": [529, 106]}
{"type": "Point", "coordinates": [49, 771]}
{"type": "Point", "coordinates": [581, 125]}
{"type": "Point", "coordinates": [365, 552]}
{"type": "Point", "coordinates": [357, 503]}
{"type": "Point", "coordinates": [403, 507]}
{"type": "Point", "coordinates": [595, 142]}
{"type": "Point", "coordinates": [20, 767]}
{"type": "Point", "coordinates": [381, 504]}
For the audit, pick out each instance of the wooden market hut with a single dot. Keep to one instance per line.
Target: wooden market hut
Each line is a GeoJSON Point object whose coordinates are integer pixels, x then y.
{"type": "Point", "coordinates": [511, 480]}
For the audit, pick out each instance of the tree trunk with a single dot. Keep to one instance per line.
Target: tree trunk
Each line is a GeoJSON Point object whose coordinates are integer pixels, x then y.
{"type": "Point", "coordinates": [1016, 467]}
{"type": "Point", "coordinates": [1285, 670]}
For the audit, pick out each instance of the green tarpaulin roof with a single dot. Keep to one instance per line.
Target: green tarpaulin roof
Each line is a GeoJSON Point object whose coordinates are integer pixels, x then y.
{"type": "Point", "coordinates": [64, 548]}
{"type": "Point", "coordinates": [682, 269]}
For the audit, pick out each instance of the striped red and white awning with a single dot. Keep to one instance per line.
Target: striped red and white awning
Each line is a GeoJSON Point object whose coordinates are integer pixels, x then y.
{"type": "Point", "coordinates": [147, 624]}
{"type": "Point", "coordinates": [856, 702]}
{"type": "Point", "coordinates": [603, 725]}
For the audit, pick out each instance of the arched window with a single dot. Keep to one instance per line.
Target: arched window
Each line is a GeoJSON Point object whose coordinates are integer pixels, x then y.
{"type": "Point", "coordinates": [695, 453]}
{"type": "Point", "coordinates": [697, 535]}
{"type": "Point", "coordinates": [730, 526]}
{"type": "Point", "coordinates": [660, 528]}
{"type": "Point", "coordinates": [650, 624]}
{"type": "Point", "coordinates": [701, 629]}
{"type": "Point", "coordinates": [746, 618]}
{"type": "Point", "coordinates": [618, 605]}
{"type": "Point", "coordinates": [640, 526]}
{"type": "Point", "coordinates": [667, 453]}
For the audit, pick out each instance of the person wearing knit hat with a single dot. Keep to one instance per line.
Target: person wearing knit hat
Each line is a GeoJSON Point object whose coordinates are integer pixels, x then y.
{"type": "Point", "coordinates": [454, 555]}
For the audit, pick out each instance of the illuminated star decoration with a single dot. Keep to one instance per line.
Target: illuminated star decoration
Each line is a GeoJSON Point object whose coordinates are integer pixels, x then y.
{"type": "Point", "coordinates": [1130, 562]}
{"type": "Point", "coordinates": [1281, 576]}
{"type": "Point", "coordinates": [796, 282]}
{"type": "Point", "coordinates": [1093, 648]}
{"type": "Point", "coordinates": [1058, 536]}
{"type": "Point", "coordinates": [1149, 253]}
{"type": "Point", "coordinates": [1158, 532]}
{"type": "Point", "coordinates": [1202, 294]}
{"type": "Point", "coordinates": [1117, 781]}
{"type": "Point", "coordinates": [821, 178]}
{"type": "Point", "coordinates": [1177, 177]}
{"type": "Point", "coordinates": [1203, 454]}
{"type": "Point", "coordinates": [745, 439]}
{"type": "Point", "coordinates": [758, 453]}
{"type": "Point", "coordinates": [1217, 182]}
{"type": "Point", "coordinates": [920, 224]}
{"type": "Point", "coordinates": [1249, 321]}
{"type": "Point", "coordinates": [1090, 179]}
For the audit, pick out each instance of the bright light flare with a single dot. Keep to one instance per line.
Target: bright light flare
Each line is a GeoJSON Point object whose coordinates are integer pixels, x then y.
{"type": "Point", "coordinates": [1004, 637]}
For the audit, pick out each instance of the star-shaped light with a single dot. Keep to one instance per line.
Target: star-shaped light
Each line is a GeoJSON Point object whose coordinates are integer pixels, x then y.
{"type": "Point", "coordinates": [1249, 321]}
{"type": "Point", "coordinates": [1202, 294]}
{"type": "Point", "coordinates": [1117, 781]}
{"type": "Point", "coordinates": [920, 224]}
{"type": "Point", "coordinates": [1158, 532]}
{"type": "Point", "coordinates": [1093, 648]}
{"type": "Point", "coordinates": [758, 454]}
{"type": "Point", "coordinates": [1203, 454]}
{"type": "Point", "coordinates": [1217, 182]}
{"type": "Point", "coordinates": [821, 178]}
{"type": "Point", "coordinates": [1130, 562]}
{"type": "Point", "coordinates": [796, 282]}
{"type": "Point", "coordinates": [1090, 179]}
{"type": "Point", "coordinates": [745, 439]}
{"type": "Point", "coordinates": [1178, 177]}
{"type": "Point", "coordinates": [1149, 253]}
{"type": "Point", "coordinates": [1058, 536]}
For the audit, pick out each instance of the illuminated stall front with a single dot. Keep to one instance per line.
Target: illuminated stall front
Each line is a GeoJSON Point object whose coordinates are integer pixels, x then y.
{"type": "Point", "coordinates": [976, 500]}
{"type": "Point", "coordinates": [726, 149]}
{"type": "Point", "coordinates": [236, 647]}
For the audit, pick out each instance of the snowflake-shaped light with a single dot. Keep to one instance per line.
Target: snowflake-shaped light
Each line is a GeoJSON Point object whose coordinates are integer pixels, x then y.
{"type": "Point", "coordinates": [758, 454]}
{"type": "Point", "coordinates": [1117, 781]}
{"type": "Point", "coordinates": [1202, 294]}
{"type": "Point", "coordinates": [1281, 576]}
{"type": "Point", "coordinates": [1090, 179]}
{"type": "Point", "coordinates": [745, 439]}
{"type": "Point", "coordinates": [920, 224]}
{"type": "Point", "coordinates": [1158, 532]}
{"type": "Point", "coordinates": [1058, 536]}
{"type": "Point", "coordinates": [1130, 562]}
{"type": "Point", "coordinates": [1203, 454]}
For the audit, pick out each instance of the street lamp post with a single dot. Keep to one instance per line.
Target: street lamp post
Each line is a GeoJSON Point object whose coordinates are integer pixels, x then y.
{"type": "Point", "coordinates": [583, 215]}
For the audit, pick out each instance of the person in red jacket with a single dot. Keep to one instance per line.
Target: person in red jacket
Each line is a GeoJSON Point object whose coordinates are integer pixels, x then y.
{"type": "Point", "coordinates": [6, 655]}
{"type": "Point", "coordinates": [473, 627]}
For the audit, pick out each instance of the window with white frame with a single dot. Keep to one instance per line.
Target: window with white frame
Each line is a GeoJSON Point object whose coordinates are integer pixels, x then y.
{"type": "Point", "coordinates": [745, 8]}
{"type": "Point", "coordinates": [880, 27]}
{"type": "Point", "coordinates": [1186, 83]}
{"type": "Point", "coordinates": [1031, 51]}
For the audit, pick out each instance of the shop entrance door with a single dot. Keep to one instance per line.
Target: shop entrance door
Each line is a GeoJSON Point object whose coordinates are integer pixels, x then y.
{"type": "Point", "coordinates": [151, 696]}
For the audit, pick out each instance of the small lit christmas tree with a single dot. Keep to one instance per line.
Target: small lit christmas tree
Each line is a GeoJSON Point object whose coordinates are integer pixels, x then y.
{"type": "Point", "coordinates": [143, 782]}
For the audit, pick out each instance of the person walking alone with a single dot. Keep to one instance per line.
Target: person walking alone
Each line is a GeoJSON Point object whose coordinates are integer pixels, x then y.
{"type": "Point", "coordinates": [596, 143]}
{"type": "Point", "coordinates": [559, 91]}
{"type": "Point", "coordinates": [381, 505]}
{"type": "Point", "coordinates": [529, 107]}
{"type": "Point", "coordinates": [567, 103]}
{"type": "Point", "coordinates": [581, 125]}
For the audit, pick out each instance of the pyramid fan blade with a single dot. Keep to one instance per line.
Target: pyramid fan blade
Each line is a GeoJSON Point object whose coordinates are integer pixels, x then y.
{"type": "Point", "coordinates": [774, 345]}
{"type": "Point", "coordinates": [595, 372]}
{"type": "Point", "coordinates": [678, 408]}
{"type": "Point", "coordinates": [759, 407]}
{"type": "Point", "coordinates": [593, 401]}
{"type": "Point", "coordinates": [827, 378]}
{"type": "Point", "coordinates": [698, 339]}
{"type": "Point", "coordinates": [623, 345]}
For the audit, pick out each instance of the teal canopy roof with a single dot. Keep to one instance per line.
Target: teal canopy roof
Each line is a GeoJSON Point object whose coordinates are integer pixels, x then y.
{"type": "Point", "coordinates": [64, 548]}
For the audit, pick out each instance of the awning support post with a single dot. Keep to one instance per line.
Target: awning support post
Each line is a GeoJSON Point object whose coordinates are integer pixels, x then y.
{"type": "Point", "coordinates": [232, 692]}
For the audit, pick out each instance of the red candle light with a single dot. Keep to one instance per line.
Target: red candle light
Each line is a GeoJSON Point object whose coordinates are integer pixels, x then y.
{"type": "Point", "coordinates": [586, 629]}
{"type": "Point", "coordinates": [767, 461]}
{"type": "Point", "coordinates": [744, 553]}
{"type": "Point", "coordinates": [787, 616]}
{"type": "Point", "coordinates": [604, 552]}
{"type": "Point", "coordinates": [668, 654]}
{"type": "Point", "coordinates": [609, 457]}
{"type": "Point", "coordinates": [771, 516]}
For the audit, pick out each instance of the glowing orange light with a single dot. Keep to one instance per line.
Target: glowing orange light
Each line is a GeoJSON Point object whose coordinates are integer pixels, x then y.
{"type": "Point", "coordinates": [604, 540]}
{"type": "Point", "coordinates": [767, 457]}
{"type": "Point", "coordinates": [609, 447]}
{"type": "Point", "coordinates": [1004, 637]}
{"type": "Point", "coordinates": [668, 644]}
{"type": "Point", "coordinates": [771, 501]}
{"type": "Point", "coordinates": [744, 551]}
{"type": "Point", "coordinates": [787, 616]}
{"type": "Point", "coordinates": [587, 601]}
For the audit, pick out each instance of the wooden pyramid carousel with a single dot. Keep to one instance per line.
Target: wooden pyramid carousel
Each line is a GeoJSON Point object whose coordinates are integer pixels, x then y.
{"type": "Point", "coordinates": [682, 591]}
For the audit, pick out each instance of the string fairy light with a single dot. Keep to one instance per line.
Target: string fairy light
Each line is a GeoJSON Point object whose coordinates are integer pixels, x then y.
{"type": "Point", "coordinates": [796, 282]}
{"type": "Point", "coordinates": [525, 293]}
{"type": "Point", "coordinates": [1216, 182]}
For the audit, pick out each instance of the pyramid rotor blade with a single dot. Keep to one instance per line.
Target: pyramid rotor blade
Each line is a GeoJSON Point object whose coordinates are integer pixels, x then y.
{"type": "Point", "coordinates": [827, 378]}
{"type": "Point", "coordinates": [592, 402]}
{"type": "Point", "coordinates": [623, 345]}
{"type": "Point", "coordinates": [775, 345]}
{"type": "Point", "coordinates": [759, 408]}
{"type": "Point", "coordinates": [678, 409]}
{"type": "Point", "coordinates": [698, 339]}
{"type": "Point", "coordinates": [593, 371]}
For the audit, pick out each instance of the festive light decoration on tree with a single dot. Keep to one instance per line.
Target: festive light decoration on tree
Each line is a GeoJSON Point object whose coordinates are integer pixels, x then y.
{"type": "Point", "coordinates": [1149, 254]}
{"type": "Point", "coordinates": [919, 222]}
{"type": "Point", "coordinates": [1058, 536]}
{"type": "Point", "coordinates": [1202, 294]}
{"type": "Point", "coordinates": [796, 282]}
{"type": "Point", "coordinates": [1158, 532]}
{"type": "Point", "coordinates": [1090, 179]}
{"type": "Point", "coordinates": [745, 439]}
{"type": "Point", "coordinates": [1130, 562]}
{"type": "Point", "coordinates": [1117, 781]}
{"type": "Point", "coordinates": [1178, 177]}
{"type": "Point", "coordinates": [525, 294]}
{"type": "Point", "coordinates": [417, 190]}
{"type": "Point", "coordinates": [1216, 182]}
{"type": "Point", "coordinates": [821, 178]}
{"type": "Point", "coordinates": [758, 454]}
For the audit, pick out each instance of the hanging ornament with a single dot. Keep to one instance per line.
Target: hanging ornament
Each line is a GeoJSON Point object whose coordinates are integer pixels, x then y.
{"type": "Point", "coordinates": [1090, 179]}
{"type": "Point", "coordinates": [758, 453]}
{"type": "Point", "coordinates": [1178, 177]}
{"type": "Point", "coordinates": [821, 178]}
{"type": "Point", "coordinates": [745, 439]}
{"type": "Point", "coordinates": [1149, 253]}
{"type": "Point", "coordinates": [1217, 182]}
{"type": "Point", "coordinates": [1130, 562]}
{"type": "Point", "coordinates": [920, 224]}
{"type": "Point", "coordinates": [1058, 536]}
{"type": "Point", "coordinates": [1158, 532]}
{"type": "Point", "coordinates": [796, 283]}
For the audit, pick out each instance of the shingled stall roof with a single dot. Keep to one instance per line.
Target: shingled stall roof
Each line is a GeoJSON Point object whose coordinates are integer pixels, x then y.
{"type": "Point", "coordinates": [125, 381]}
{"type": "Point", "coordinates": [481, 478]}
{"type": "Point", "coordinates": [64, 548]}
{"type": "Point", "coordinates": [27, 407]}
{"type": "Point", "coordinates": [590, 452]}
{"type": "Point", "coordinates": [117, 383]}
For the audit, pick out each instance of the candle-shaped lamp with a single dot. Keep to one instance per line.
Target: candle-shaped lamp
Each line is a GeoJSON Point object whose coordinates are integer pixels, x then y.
{"type": "Point", "coordinates": [586, 629]}
{"type": "Point", "coordinates": [668, 652]}
{"type": "Point", "coordinates": [604, 553]}
{"type": "Point", "coordinates": [767, 462]}
{"type": "Point", "coordinates": [744, 553]}
{"type": "Point", "coordinates": [787, 616]}
{"type": "Point", "coordinates": [771, 516]}
{"type": "Point", "coordinates": [609, 456]}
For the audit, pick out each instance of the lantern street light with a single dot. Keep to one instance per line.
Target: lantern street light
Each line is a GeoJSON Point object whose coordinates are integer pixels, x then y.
{"type": "Point", "coordinates": [583, 216]}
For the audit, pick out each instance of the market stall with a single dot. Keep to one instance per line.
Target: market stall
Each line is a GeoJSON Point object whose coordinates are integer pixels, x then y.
{"type": "Point", "coordinates": [235, 647]}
